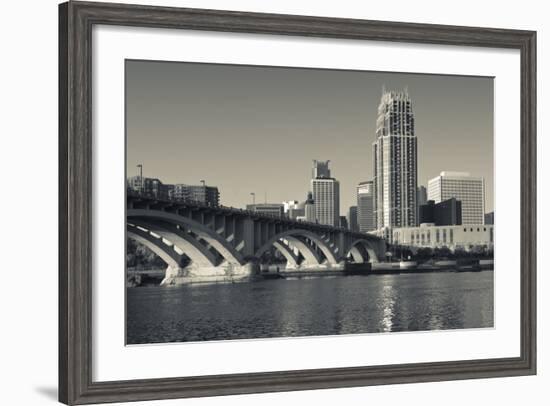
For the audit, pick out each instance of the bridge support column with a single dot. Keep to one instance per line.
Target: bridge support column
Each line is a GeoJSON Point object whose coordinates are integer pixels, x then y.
{"type": "Point", "coordinates": [225, 272]}
{"type": "Point", "coordinates": [248, 237]}
{"type": "Point", "coordinates": [341, 244]}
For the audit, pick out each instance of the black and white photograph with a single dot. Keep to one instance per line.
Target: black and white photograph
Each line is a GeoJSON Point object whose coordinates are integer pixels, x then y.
{"type": "Point", "coordinates": [271, 202]}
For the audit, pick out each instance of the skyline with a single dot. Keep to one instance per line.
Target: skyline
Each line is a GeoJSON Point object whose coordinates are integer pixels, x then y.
{"type": "Point", "coordinates": [329, 115]}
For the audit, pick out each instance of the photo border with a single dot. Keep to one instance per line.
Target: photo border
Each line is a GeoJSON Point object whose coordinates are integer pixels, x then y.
{"type": "Point", "coordinates": [75, 201]}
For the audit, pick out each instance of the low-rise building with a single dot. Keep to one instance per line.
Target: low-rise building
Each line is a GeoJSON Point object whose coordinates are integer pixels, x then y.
{"type": "Point", "coordinates": [149, 187]}
{"type": "Point", "coordinates": [270, 209]}
{"type": "Point", "coordinates": [432, 236]}
{"type": "Point", "coordinates": [196, 193]}
{"type": "Point", "coordinates": [294, 209]}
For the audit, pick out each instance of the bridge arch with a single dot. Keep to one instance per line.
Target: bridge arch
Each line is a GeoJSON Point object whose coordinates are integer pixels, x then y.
{"type": "Point", "coordinates": [216, 241]}
{"type": "Point", "coordinates": [356, 253]}
{"type": "Point", "coordinates": [291, 258]}
{"type": "Point", "coordinates": [192, 248]}
{"type": "Point", "coordinates": [309, 254]}
{"type": "Point", "coordinates": [155, 244]}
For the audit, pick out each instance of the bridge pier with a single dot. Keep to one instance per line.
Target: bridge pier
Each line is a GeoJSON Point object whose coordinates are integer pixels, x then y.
{"type": "Point", "coordinates": [312, 267]}
{"type": "Point", "coordinates": [194, 273]}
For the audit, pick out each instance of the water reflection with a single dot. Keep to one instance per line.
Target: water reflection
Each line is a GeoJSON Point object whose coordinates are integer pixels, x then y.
{"type": "Point", "coordinates": [388, 301]}
{"type": "Point", "coordinates": [288, 308]}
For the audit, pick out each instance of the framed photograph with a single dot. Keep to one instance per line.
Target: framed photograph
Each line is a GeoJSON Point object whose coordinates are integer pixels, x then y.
{"type": "Point", "coordinates": [257, 202]}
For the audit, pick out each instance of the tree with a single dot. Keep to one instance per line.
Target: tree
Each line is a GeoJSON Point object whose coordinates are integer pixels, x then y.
{"type": "Point", "coordinates": [460, 252]}
{"type": "Point", "coordinates": [424, 253]}
{"type": "Point", "coordinates": [443, 252]}
{"type": "Point", "coordinates": [139, 256]}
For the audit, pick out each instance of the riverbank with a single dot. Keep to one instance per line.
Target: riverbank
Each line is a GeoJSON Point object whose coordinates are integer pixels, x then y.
{"type": "Point", "coordinates": [468, 265]}
{"type": "Point", "coordinates": [154, 277]}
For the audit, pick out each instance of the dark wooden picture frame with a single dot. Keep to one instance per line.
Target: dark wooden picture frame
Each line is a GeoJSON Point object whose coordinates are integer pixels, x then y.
{"type": "Point", "coordinates": [76, 20]}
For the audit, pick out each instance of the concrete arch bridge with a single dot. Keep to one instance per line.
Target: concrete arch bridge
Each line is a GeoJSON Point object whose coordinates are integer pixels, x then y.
{"type": "Point", "coordinates": [201, 243]}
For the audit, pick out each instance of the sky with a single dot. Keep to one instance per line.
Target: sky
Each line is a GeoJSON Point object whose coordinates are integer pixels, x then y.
{"type": "Point", "coordinates": [257, 129]}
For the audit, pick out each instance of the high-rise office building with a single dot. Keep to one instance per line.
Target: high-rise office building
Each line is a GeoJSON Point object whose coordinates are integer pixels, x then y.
{"type": "Point", "coordinates": [395, 162]}
{"type": "Point", "coordinates": [446, 213]}
{"type": "Point", "coordinates": [309, 208]}
{"type": "Point", "coordinates": [344, 222]}
{"type": "Point", "coordinates": [320, 169]}
{"type": "Point", "coordinates": [352, 219]}
{"type": "Point", "coordinates": [365, 206]}
{"type": "Point", "coordinates": [470, 190]}
{"type": "Point", "coordinates": [326, 194]}
{"type": "Point", "coordinates": [421, 199]}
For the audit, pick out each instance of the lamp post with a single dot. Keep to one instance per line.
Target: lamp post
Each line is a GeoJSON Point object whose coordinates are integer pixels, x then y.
{"type": "Point", "coordinates": [253, 197]}
{"type": "Point", "coordinates": [203, 182]}
{"type": "Point", "coordinates": [140, 166]}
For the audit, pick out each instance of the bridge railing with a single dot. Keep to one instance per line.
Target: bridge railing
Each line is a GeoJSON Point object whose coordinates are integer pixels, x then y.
{"type": "Point", "coordinates": [197, 203]}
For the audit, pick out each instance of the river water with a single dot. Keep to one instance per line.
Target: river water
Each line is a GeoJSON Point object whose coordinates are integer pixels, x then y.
{"type": "Point", "coordinates": [310, 307]}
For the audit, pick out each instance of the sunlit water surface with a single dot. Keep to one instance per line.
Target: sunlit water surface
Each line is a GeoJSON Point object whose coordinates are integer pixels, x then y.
{"type": "Point", "coordinates": [310, 307]}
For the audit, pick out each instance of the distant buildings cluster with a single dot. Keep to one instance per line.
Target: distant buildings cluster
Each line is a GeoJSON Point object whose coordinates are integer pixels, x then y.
{"type": "Point", "coordinates": [322, 204]}
{"type": "Point", "coordinates": [449, 212]}
{"type": "Point", "coordinates": [152, 187]}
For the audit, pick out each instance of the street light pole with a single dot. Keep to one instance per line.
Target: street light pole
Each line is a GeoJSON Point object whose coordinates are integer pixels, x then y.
{"type": "Point", "coordinates": [140, 166]}
{"type": "Point", "coordinates": [253, 197]}
{"type": "Point", "coordinates": [203, 182]}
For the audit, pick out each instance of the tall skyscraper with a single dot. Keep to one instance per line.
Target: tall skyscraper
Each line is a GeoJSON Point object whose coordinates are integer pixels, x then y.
{"type": "Point", "coordinates": [421, 199]}
{"type": "Point", "coordinates": [309, 208]}
{"type": "Point", "coordinates": [395, 162]}
{"type": "Point", "coordinates": [365, 206]}
{"type": "Point", "coordinates": [320, 169]}
{"type": "Point", "coordinates": [470, 190]}
{"type": "Point", "coordinates": [344, 222]}
{"type": "Point", "coordinates": [352, 219]}
{"type": "Point", "coordinates": [326, 194]}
